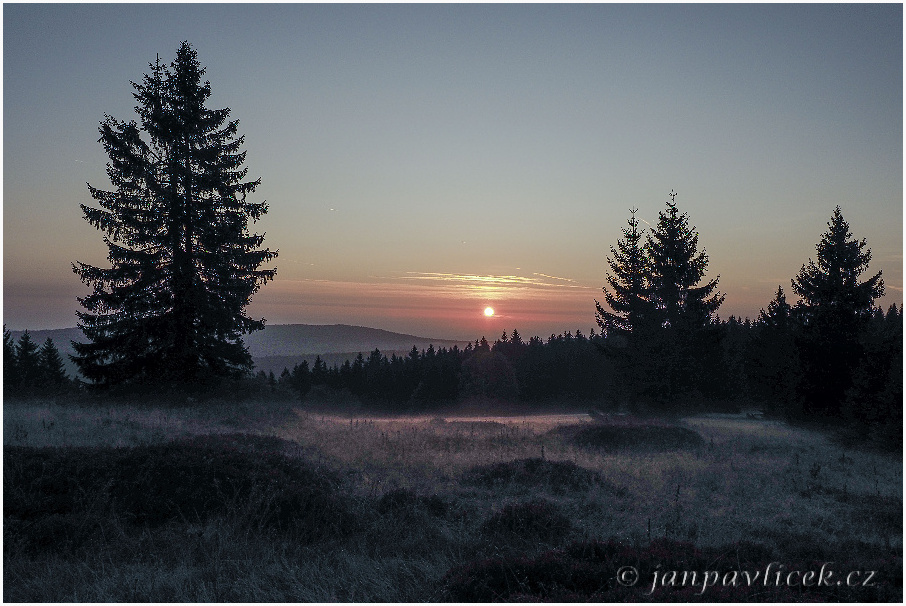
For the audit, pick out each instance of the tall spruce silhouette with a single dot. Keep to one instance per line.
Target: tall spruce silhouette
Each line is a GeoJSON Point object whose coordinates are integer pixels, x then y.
{"type": "Point", "coordinates": [10, 362]}
{"type": "Point", "coordinates": [630, 324]}
{"type": "Point", "coordinates": [28, 362]}
{"type": "Point", "coordinates": [835, 307]}
{"type": "Point", "coordinates": [52, 370]}
{"type": "Point", "coordinates": [677, 267]}
{"type": "Point", "coordinates": [628, 293]}
{"type": "Point", "coordinates": [183, 264]}
{"type": "Point", "coordinates": [688, 345]}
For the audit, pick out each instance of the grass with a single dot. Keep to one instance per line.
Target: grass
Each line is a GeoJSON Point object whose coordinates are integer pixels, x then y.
{"type": "Point", "coordinates": [535, 521]}
{"type": "Point", "coordinates": [556, 477]}
{"type": "Point", "coordinates": [583, 571]}
{"type": "Point", "coordinates": [262, 502]}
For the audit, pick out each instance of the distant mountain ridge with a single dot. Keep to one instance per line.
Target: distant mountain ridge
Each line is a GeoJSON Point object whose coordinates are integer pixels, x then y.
{"type": "Point", "coordinates": [284, 340]}
{"type": "Point", "coordinates": [313, 339]}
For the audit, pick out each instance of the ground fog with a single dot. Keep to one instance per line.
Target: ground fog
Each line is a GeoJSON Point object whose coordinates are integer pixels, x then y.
{"type": "Point", "coordinates": [274, 502]}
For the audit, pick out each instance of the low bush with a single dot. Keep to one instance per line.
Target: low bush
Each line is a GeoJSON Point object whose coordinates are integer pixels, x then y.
{"type": "Point", "coordinates": [49, 493]}
{"type": "Point", "coordinates": [630, 434]}
{"type": "Point", "coordinates": [556, 476]}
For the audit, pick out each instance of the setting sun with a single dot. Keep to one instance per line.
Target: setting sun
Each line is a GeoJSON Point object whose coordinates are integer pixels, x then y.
{"type": "Point", "coordinates": [489, 311]}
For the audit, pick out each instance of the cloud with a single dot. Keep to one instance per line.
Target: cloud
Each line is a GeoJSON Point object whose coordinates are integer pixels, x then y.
{"type": "Point", "coordinates": [537, 280]}
{"type": "Point", "coordinates": [554, 277]}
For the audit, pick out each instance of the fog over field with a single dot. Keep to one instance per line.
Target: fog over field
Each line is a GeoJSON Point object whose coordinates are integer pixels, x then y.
{"type": "Point", "coordinates": [412, 500]}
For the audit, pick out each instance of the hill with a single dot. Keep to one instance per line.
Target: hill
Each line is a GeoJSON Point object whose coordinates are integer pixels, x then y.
{"type": "Point", "coordinates": [314, 339]}
{"type": "Point", "coordinates": [282, 345]}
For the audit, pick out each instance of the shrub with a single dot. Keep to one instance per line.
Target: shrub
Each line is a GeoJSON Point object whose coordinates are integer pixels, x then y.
{"type": "Point", "coordinates": [630, 434]}
{"type": "Point", "coordinates": [194, 480]}
{"type": "Point", "coordinates": [200, 478]}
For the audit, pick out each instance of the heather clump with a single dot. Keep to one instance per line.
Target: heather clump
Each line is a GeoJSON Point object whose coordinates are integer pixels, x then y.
{"type": "Point", "coordinates": [630, 434]}
{"type": "Point", "coordinates": [248, 478]}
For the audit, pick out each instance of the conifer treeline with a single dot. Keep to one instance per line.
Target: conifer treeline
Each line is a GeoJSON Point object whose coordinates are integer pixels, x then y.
{"type": "Point", "coordinates": [833, 357]}
{"type": "Point", "coordinates": [758, 363]}
{"type": "Point", "coordinates": [508, 370]}
{"type": "Point", "coordinates": [32, 371]}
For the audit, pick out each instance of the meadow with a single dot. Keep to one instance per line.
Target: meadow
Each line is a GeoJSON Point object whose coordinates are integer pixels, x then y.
{"type": "Point", "coordinates": [272, 501]}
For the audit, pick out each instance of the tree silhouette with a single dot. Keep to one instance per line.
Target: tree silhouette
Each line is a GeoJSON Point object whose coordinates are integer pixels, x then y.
{"type": "Point", "coordinates": [319, 372]}
{"type": "Point", "coordinates": [28, 363]}
{"type": "Point", "coordinates": [301, 378]}
{"type": "Point", "coordinates": [834, 309]}
{"type": "Point", "coordinates": [10, 364]}
{"type": "Point", "coordinates": [628, 297]}
{"type": "Point", "coordinates": [874, 405]}
{"type": "Point", "coordinates": [489, 375]}
{"type": "Point", "coordinates": [630, 328]}
{"type": "Point", "coordinates": [773, 357]}
{"type": "Point", "coordinates": [676, 269]}
{"type": "Point", "coordinates": [183, 264]}
{"type": "Point", "coordinates": [53, 372]}
{"type": "Point", "coordinates": [830, 289]}
{"type": "Point", "coordinates": [684, 352]}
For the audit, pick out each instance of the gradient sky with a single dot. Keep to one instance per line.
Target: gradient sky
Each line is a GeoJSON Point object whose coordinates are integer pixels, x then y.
{"type": "Point", "coordinates": [423, 162]}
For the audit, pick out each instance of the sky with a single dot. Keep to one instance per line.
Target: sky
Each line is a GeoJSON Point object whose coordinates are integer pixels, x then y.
{"type": "Point", "coordinates": [424, 162]}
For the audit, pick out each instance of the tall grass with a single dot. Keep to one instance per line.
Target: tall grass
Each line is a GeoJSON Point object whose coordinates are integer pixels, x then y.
{"type": "Point", "coordinates": [62, 422]}
{"type": "Point", "coordinates": [426, 495]}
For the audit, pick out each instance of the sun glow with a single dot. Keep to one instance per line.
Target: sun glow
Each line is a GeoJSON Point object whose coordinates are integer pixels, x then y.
{"type": "Point", "coordinates": [489, 311]}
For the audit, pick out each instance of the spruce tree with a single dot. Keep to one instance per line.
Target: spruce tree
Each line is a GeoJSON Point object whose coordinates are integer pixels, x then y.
{"type": "Point", "coordinates": [183, 263]}
{"type": "Point", "coordinates": [10, 364]}
{"type": "Point", "coordinates": [52, 370]}
{"type": "Point", "coordinates": [319, 372]}
{"type": "Point", "coordinates": [28, 363]}
{"type": "Point", "coordinates": [628, 294]}
{"type": "Point", "coordinates": [830, 289]}
{"type": "Point", "coordinates": [874, 404]}
{"type": "Point", "coordinates": [629, 325]}
{"type": "Point", "coordinates": [301, 379]}
{"type": "Point", "coordinates": [677, 267]}
{"type": "Point", "coordinates": [773, 357]}
{"type": "Point", "coordinates": [835, 308]}
{"type": "Point", "coordinates": [688, 343]}
{"type": "Point", "coordinates": [779, 313]}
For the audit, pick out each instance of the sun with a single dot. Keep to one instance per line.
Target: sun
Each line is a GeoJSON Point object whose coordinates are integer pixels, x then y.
{"type": "Point", "coordinates": [489, 311]}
